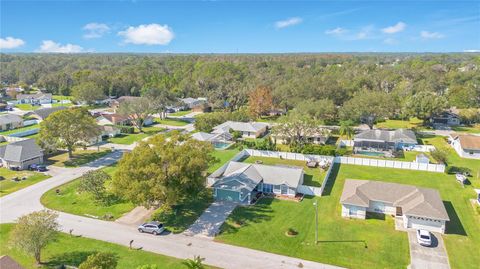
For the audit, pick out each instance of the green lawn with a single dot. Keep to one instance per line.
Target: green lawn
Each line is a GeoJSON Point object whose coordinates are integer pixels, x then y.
{"type": "Point", "coordinates": [26, 107]}
{"type": "Point", "coordinates": [8, 186]}
{"type": "Point", "coordinates": [341, 240]}
{"type": "Point", "coordinates": [79, 157]}
{"type": "Point", "coordinates": [408, 156]}
{"type": "Point", "coordinates": [128, 139]}
{"type": "Point", "coordinates": [184, 215]}
{"type": "Point", "coordinates": [171, 122]}
{"type": "Point", "coordinates": [18, 130]}
{"type": "Point", "coordinates": [74, 250]}
{"type": "Point", "coordinates": [62, 97]}
{"type": "Point", "coordinates": [222, 156]}
{"type": "Point", "coordinates": [396, 124]}
{"type": "Point", "coordinates": [180, 113]}
{"type": "Point", "coordinates": [71, 201]}
{"type": "Point", "coordinates": [60, 104]}
{"type": "Point", "coordinates": [468, 129]}
{"type": "Point", "coordinates": [313, 176]}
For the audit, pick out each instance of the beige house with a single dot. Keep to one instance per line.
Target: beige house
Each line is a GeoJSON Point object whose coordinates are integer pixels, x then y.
{"type": "Point", "coordinates": [247, 129]}
{"type": "Point", "coordinates": [466, 145]}
{"type": "Point", "coordinates": [419, 208]}
{"type": "Point", "coordinates": [10, 121]}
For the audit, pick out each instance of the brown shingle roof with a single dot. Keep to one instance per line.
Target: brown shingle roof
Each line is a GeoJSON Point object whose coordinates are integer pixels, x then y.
{"type": "Point", "coordinates": [468, 141]}
{"type": "Point", "coordinates": [414, 201]}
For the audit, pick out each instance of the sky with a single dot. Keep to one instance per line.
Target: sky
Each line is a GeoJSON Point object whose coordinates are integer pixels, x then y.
{"type": "Point", "coordinates": [239, 26]}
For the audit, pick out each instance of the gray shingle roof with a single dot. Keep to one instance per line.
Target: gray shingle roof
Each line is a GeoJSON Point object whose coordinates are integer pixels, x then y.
{"type": "Point", "coordinates": [34, 96]}
{"type": "Point", "coordinates": [43, 113]}
{"type": "Point", "coordinates": [414, 201]}
{"type": "Point", "coordinates": [10, 118]}
{"type": "Point", "coordinates": [20, 151]}
{"type": "Point", "coordinates": [202, 136]}
{"type": "Point", "coordinates": [399, 135]}
{"type": "Point", "coordinates": [240, 126]}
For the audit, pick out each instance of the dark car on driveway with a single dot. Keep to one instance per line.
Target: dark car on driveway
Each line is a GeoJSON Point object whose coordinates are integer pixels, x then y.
{"type": "Point", "coordinates": [153, 227]}
{"type": "Point", "coordinates": [38, 167]}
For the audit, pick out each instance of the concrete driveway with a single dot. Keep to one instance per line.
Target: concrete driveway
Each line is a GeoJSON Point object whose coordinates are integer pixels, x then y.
{"type": "Point", "coordinates": [208, 224]}
{"type": "Point", "coordinates": [434, 257]}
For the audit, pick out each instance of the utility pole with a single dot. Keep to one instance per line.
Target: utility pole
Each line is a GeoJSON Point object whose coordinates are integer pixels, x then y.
{"type": "Point", "coordinates": [316, 221]}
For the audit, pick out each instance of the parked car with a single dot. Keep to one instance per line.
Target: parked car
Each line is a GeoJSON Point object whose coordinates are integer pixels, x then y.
{"type": "Point", "coordinates": [424, 238]}
{"type": "Point", "coordinates": [38, 167]}
{"type": "Point", "coordinates": [153, 227]}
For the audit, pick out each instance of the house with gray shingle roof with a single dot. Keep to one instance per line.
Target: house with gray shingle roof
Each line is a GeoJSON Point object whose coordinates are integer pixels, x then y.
{"type": "Point", "coordinates": [43, 113]}
{"type": "Point", "coordinates": [10, 121]}
{"type": "Point", "coordinates": [385, 140]}
{"type": "Point", "coordinates": [247, 129]}
{"type": "Point", "coordinates": [35, 99]}
{"type": "Point", "coordinates": [21, 154]}
{"type": "Point", "coordinates": [243, 182]}
{"type": "Point", "coordinates": [419, 208]}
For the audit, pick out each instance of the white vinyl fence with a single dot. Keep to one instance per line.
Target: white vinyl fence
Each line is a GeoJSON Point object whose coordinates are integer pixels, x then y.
{"type": "Point", "coordinates": [440, 168]}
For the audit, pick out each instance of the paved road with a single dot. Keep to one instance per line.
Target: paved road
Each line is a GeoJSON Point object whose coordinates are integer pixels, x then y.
{"type": "Point", "coordinates": [434, 257]}
{"type": "Point", "coordinates": [27, 200]}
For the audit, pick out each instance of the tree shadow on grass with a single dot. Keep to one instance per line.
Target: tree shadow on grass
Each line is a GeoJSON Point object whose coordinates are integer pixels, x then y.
{"type": "Point", "coordinates": [309, 181]}
{"type": "Point", "coordinates": [377, 216]}
{"type": "Point", "coordinates": [245, 215]}
{"type": "Point", "coordinates": [74, 258]}
{"type": "Point", "coordinates": [331, 179]}
{"type": "Point", "coordinates": [454, 226]}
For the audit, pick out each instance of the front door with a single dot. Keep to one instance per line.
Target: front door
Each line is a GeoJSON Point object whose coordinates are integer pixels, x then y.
{"type": "Point", "coordinates": [399, 211]}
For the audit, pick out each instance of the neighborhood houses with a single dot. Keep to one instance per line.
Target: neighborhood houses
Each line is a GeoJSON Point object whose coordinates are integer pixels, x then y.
{"type": "Point", "coordinates": [246, 129]}
{"type": "Point", "coordinates": [419, 208]}
{"type": "Point", "coordinates": [21, 154]}
{"type": "Point", "coordinates": [466, 145]}
{"type": "Point", "coordinates": [10, 121]}
{"type": "Point", "coordinates": [34, 99]}
{"type": "Point", "coordinates": [384, 140]}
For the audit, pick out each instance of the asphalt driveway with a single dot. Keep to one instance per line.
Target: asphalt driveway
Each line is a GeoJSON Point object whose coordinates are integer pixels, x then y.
{"type": "Point", "coordinates": [433, 257]}
{"type": "Point", "coordinates": [208, 224]}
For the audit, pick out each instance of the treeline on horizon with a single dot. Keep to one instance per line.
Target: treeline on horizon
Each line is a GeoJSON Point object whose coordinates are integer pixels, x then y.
{"type": "Point", "coordinates": [229, 78]}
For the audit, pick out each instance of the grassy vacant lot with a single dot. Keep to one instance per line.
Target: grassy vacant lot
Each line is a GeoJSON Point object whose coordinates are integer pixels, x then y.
{"type": "Point", "coordinates": [180, 113]}
{"type": "Point", "coordinates": [8, 186]}
{"type": "Point", "coordinates": [74, 250]}
{"type": "Point", "coordinates": [222, 156]}
{"type": "Point", "coordinates": [79, 157]}
{"type": "Point", "coordinates": [342, 240]}
{"type": "Point", "coordinates": [313, 176]}
{"type": "Point", "coordinates": [396, 124]}
{"type": "Point", "coordinates": [71, 201]}
{"type": "Point", "coordinates": [18, 130]}
{"type": "Point", "coordinates": [128, 139]}
{"type": "Point", "coordinates": [184, 215]}
{"type": "Point", "coordinates": [171, 122]}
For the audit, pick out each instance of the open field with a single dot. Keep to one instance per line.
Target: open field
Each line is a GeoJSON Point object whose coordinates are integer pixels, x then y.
{"type": "Point", "coordinates": [313, 176]}
{"type": "Point", "coordinates": [8, 186]}
{"type": "Point", "coordinates": [343, 241]}
{"type": "Point", "coordinates": [74, 250]}
{"type": "Point", "coordinates": [79, 157]}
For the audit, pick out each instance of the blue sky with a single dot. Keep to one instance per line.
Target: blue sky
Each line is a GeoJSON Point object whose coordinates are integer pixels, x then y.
{"type": "Point", "coordinates": [244, 27]}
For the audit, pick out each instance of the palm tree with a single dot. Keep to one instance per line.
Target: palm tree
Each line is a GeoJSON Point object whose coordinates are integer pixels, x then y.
{"type": "Point", "coordinates": [195, 263]}
{"type": "Point", "coordinates": [346, 129]}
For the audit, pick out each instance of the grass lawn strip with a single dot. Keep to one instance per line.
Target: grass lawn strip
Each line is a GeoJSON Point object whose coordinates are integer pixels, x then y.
{"type": "Point", "coordinates": [8, 186]}
{"type": "Point", "coordinates": [313, 176]}
{"type": "Point", "coordinates": [128, 139]}
{"type": "Point", "coordinates": [180, 113]}
{"type": "Point", "coordinates": [222, 157]}
{"type": "Point", "coordinates": [172, 122]}
{"type": "Point", "coordinates": [79, 157]}
{"type": "Point", "coordinates": [74, 250]}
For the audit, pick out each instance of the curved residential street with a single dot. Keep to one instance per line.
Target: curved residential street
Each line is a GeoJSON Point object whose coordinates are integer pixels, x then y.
{"type": "Point", "coordinates": [180, 246]}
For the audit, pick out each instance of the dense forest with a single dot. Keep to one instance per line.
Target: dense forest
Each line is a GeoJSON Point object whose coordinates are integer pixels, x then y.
{"type": "Point", "coordinates": [227, 80]}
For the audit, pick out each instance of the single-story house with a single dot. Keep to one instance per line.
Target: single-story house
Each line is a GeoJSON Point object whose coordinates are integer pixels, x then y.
{"type": "Point", "coordinates": [190, 103]}
{"type": "Point", "coordinates": [419, 208]}
{"type": "Point", "coordinates": [466, 145]}
{"type": "Point", "coordinates": [318, 138]}
{"type": "Point", "coordinates": [43, 113]}
{"type": "Point", "coordinates": [447, 118]}
{"type": "Point", "coordinates": [247, 129]}
{"type": "Point", "coordinates": [35, 99]}
{"type": "Point", "coordinates": [109, 131]}
{"type": "Point", "coordinates": [12, 92]}
{"type": "Point", "coordinates": [243, 182]}
{"type": "Point", "coordinates": [385, 140]}
{"type": "Point", "coordinates": [6, 262]}
{"type": "Point", "coordinates": [21, 154]}
{"type": "Point", "coordinates": [422, 158]}
{"type": "Point", "coordinates": [221, 140]}
{"type": "Point", "coordinates": [115, 103]}
{"type": "Point", "coordinates": [112, 119]}
{"type": "Point", "coordinates": [10, 121]}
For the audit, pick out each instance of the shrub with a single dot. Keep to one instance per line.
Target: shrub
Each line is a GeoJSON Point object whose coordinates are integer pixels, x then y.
{"type": "Point", "coordinates": [125, 129]}
{"type": "Point", "coordinates": [101, 260]}
{"type": "Point", "coordinates": [292, 232]}
{"type": "Point", "coordinates": [440, 155]}
{"type": "Point", "coordinates": [456, 169]}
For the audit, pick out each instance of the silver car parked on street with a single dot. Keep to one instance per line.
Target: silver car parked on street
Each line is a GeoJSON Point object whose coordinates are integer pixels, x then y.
{"type": "Point", "coordinates": [153, 227]}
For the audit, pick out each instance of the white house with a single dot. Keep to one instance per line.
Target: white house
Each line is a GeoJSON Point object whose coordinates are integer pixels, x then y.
{"type": "Point", "coordinates": [419, 208]}
{"type": "Point", "coordinates": [466, 145]}
{"type": "Point", "coordinates": [34, 99]}
{"type": "Point", "coordinates": [247, 129]}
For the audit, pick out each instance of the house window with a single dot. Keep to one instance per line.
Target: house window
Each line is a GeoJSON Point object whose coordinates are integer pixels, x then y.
{"type": "Point", "coordinates": [268, 188]}
{"type": "Point", "coordinates": [276, 188]}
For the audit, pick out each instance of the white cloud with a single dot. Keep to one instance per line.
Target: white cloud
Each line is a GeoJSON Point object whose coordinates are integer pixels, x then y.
{"type": "Point", "coordinates": [48, 46]}
{"type": "Point", "coordinates": [148, 34]}
{"type": "Point", "coordinates": [95, 30]}
{"type": "Point", "coordinates": [11, 43]}
{"type": "Point", "coordinates": [336, 31]}
{"type": "Point", "coordinates": [364, 33]}
{"type": "Point", "coordinates": [431, 35]}
{"type": "Point", "coordinates": [288, 22]}
{"type": "Point", "coordinates": [471, 50]}
{"type": "Point", "coordinates": [390, 41]}
{"type": "Point", "coordinates": [400, 26]}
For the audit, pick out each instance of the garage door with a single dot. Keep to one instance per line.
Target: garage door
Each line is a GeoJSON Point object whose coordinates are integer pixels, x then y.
{"type": "Point", "coordinates": [226, 195]}
{"type": "Point", "coordinates": [425, 225]}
